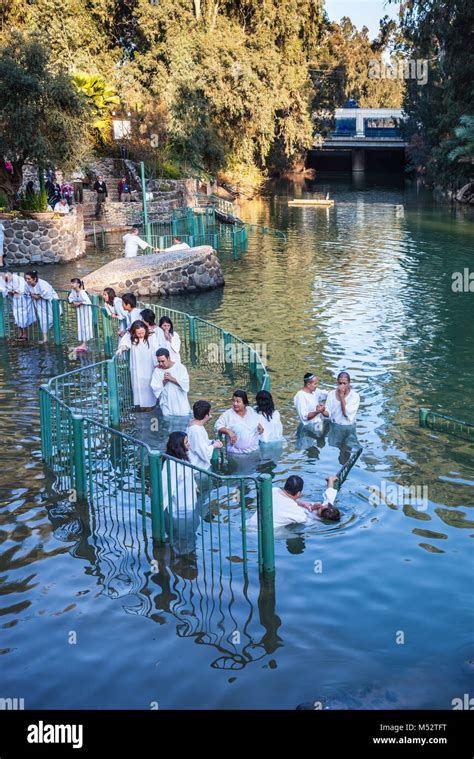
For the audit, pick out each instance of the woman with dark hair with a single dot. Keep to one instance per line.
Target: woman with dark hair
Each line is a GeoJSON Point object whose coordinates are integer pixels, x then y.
{"type": "Point", "coordinates": [241, 424]}
{"type": "Point", "coordinates": [22, 306]}
{"type": "Point", "coordinates": [43, 295]}
{"type": "Point", "coordinates": [179, 493]}
{"type": "Point", "coordinates": [114, 308]}
{"type": "Point", "coordinates": [142, 363]}
{"type": "Point", "coordinates": [155, 333]}
{"type": "Point", "coordinates": [342, 404]}
{"type": "Point", "coordinates": [169, 339]}
{"type": "Point", "coordinates": [269, 418]}
{"type": "Point", "coordinates": [80, 299]}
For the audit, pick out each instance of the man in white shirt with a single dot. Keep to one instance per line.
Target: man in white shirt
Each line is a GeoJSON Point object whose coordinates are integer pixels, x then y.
{"type": "Point", "coordinates": [170, 384]}
{"type": "Point", "coordinates": [200, 447]}
{"type": "Point", "coordinates": [177, 245]}
{"type": "Point", "coordinates": [342, 404]}
{"type": "Point", "coordinates": [129, 306]}
{"type": "Point", "coordinates": [61, 207]}
{"type": "Point", "coordinates": [309, 402]}
{"type": "Point", "coordinates": [288, 508]}
{"type": "Point", "coordinates": [133, 242]}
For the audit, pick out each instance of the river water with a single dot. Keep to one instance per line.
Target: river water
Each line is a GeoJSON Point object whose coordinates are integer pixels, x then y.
{"type": "Point", "coordinates": [376, 612]}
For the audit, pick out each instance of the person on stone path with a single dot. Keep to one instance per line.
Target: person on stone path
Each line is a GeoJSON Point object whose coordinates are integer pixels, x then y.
{"type": "Point", "coordinates": [78, 185]}
{"type": "Point", "coordinates": [124, 190]}
{"type": "Point", "coordinates": [101, 189]}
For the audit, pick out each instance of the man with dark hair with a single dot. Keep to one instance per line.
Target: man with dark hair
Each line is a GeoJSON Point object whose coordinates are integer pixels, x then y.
{"type": "Point", "coordinates": [129, 305]}
{"type": "Point", "coordinates": [170, 384]}
{"type": "Point", "coordinates": [200, 447]}
{"type": "Point", "coordinates": [288, 508]}
{"type": "Point", "coordinates": [101, 189]}
{"type": "Point", "coordinates": [309, 402]}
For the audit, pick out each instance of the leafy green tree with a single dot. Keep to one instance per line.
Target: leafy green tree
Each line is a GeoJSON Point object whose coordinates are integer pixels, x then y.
{"type": "Point", "coordinates": [43, 118]}
{"type": "Point", "coordinates": [102, 98]}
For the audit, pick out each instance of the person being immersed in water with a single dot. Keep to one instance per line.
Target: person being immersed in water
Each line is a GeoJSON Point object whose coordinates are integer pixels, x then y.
{"type": "Point", "coordinates": [289, 508]}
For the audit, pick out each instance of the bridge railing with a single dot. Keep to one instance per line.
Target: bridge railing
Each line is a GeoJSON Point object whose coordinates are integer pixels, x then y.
{"type": "Point", "coordinates": [443, 423]}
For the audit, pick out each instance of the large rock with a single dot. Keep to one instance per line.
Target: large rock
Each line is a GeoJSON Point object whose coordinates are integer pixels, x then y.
{"type": "Point", "coordinates": [162, 273]}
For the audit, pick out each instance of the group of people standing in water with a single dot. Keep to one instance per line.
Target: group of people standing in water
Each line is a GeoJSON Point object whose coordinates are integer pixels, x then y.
{"type": "Point", "coordinates": [158, 375]}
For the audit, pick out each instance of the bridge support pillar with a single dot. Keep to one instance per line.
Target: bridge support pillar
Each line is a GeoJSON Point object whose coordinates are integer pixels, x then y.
{"type": "Point", "coordinates": [358, 159]}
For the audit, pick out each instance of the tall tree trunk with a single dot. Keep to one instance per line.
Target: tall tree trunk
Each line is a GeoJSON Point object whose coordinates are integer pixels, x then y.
{"type": "Point", "coordinates": [11, 183]}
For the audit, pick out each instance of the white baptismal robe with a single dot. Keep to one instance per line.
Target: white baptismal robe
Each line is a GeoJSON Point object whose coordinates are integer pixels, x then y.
{"type": "Point", "coordinates": [287, 511]}
{"type": "Point", "coordinates": [133, 316]}
{"type": "Point", "coordinates": [173, 398]}
{"type": "Point", "coordinates": [306, 402]}
{"type": "Point", "coordinates": [333, 405]}
{"type": "Point", "coordinates": [44, 308]}
{"type": "Point", "coordinates": [200, 447]}
{"type": "Point", "coordinates": [173, 345]}
{"type": "Point", "coordinates": [179, 489]}
{"type": "Point", "coordinates": [142, 364]}
{"type": "Point", "coordinates": [245, 427]}
{"type": "Point", "coordinates": [85, 330]}
{"type": "Point", "coordinates": [22, 305]}
{"type": "Point", "coordinates": [273, 428]}
{"type": "Point", "coordinates": [132, 243]}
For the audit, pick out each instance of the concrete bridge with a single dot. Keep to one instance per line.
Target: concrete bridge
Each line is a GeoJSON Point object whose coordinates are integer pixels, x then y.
{"type": "Point", "coordinates": [363, 137]}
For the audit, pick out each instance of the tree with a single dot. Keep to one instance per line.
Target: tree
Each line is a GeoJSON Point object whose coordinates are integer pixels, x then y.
{"type": "Point", "coordinates": [464, 137]}
{"type": "Point", "coordinates": [43, 118]}
{"type": "Point", "coordinates": [102, 98]}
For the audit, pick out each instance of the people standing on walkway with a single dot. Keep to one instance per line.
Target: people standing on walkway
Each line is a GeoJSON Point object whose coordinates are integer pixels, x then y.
{"type": "Point", "coordinates": [200, 447]}
{"type": "Point", "coordinates": [170, 384]}
{"type": "Point", "coordinates": [269, 418]}
{"type": "Point", "coordinates": [81, 301]}
{"type": "Point", "coordinates": [22, 305]}
{"type": "Point", "coordinates": [132, 242]}
{"type": "Point", "coordinates": [241, 424]}
{"type": "Point", "coordinates": [124, 190]}
{"type": "Point", "coordinates": [101, 189]}
{"type": "Point", "coordinates": [43, 295]}
{"type": "Point", "coordinates": [309, 402]}
{"type": "Point", "coordinates": [78, 185]}
{"type": "Point", "coordinates": [169, 339]}
{"type": "Point", "coordinates": [342, 404]}
{"type": "Point", "coordinates": [142, 363]}
{"type": "Point", "coordinates": [129, 306]}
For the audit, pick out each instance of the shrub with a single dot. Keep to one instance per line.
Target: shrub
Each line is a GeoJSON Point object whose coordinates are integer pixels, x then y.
{"type": "Point", "coordinates": [35, 201]}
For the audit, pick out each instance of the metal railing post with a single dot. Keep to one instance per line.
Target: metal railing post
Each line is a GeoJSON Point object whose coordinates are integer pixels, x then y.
{"type": "Point", "coordinates": [112, 393]}
{"type": "Point", "coordinates": [56, 321]}
{"type": "Point", "coordinates": [423, 416]}
{"type": "Point", "coordinates": [79, 456]}
{"type": "Point", "coordinates": [156, 497]}
{"type": "Point", "coordinates": [2, 318]}
{"type": "Point", "coordinates": [45, 422]}
{"type": "Point", "coordinates": [107, 333]}
{"type": "Point", "coordinates": [95, 315]}
{"type": "Point", "coordinates": [267, 559]}
{"type": "Point", "coordinates": [144, 200]}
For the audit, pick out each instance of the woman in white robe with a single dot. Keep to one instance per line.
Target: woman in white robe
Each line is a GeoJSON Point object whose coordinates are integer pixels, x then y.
{"type": "Point", "coordinates": [269, 418]}
{"type": "Point", "coordinates": [80, 299]}
{"type": "Point", "coordinates": [142, 364]}
{"type": "Point", "coordinates": [154, 331]}
{"type": "Point", "coordinates": [22, 305]}
{"type": "Point", "coordinates": [43, 294]}
{"type": "Point", "coordinates": [180, 498]}
{"type": "Point", "coordinates": [241, 424]}
{"type": "Point", "coordinates": [168, 338]}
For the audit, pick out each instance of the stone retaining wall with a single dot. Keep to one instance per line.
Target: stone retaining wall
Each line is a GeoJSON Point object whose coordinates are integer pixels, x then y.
{"type": "Point", "coordinates": [178, 271]}
{"type": "Point", "coordinates": [28, 241]}
{"type": "Point", "coordinates": [129, 214]}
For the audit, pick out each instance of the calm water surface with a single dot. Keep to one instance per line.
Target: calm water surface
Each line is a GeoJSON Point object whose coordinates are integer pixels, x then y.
{"type": "Point", "coordinates": [388, 621]}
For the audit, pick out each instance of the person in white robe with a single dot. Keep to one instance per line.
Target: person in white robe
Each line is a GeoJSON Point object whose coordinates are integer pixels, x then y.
{"type": "Point", "coordinates": [43, 295]}
{"type": "Point", "coordinates": [342, 404]}
{"type": "Point", "coordinates": [241, 425]}
{"type": "Point", "coordinates": [309, 402]}
{"type": "Point", "coordinates": [22, 305]}
{"type": "Point", "coordinates": [82, 303]}
{"type": "Point", "coordinates": [142, 364]}
{"type": "Point", "coordinates": [114, 308]}
{"type": "Point", "coordinates": [132, 242]}
{"type": "Point", "coordinates": [269, 418]}
{"type": "Point", "coordinates": [3, 285]}
{"type": "Point", "coordinates": [289, 508]}
{"type": "Point", "coordinates": [177, 245]}
{"type": "Point", "coordinates": [168, 338]}
{"type": "Point", "coordinates": [2, 238]}
{"type": "Point", "coordinates": [180, 498]}
{"type": "Point", "coordinates": [170, 384]}
{"type": "Point", "coordinates": [200, 447]}
{"type": "Point", "coordinates": [129, 308]}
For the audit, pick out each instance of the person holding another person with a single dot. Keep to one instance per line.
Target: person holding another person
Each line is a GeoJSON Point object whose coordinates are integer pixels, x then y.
{"type": "Point", "coordinates": [309, 402]}
{"type": "Point", "coordinates": [133, 242]}
{"type": "Point", "coordinates": [177, 245]}
{"type": "Point", "coordinates": [342, 404]}
{"type": "Point", "coordinates": [289, 508]}
{"type": "Point", "coordinates": [269, 418]}
{"type": "Point", "coordinates": [170, 385]}
{"type": "Point", "coordinates": [200, 447]}
{"type": "Point", "coordinates": [241, 424]}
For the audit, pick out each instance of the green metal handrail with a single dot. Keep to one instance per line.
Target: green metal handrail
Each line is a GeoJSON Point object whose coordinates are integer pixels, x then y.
{"type": "Point", "coordinates": [444, 423]}
{"type": "Point", "coordinates": [343, 472]}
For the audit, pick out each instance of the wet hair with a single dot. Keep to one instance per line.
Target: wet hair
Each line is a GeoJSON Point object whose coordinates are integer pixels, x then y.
{"type": "Point", "coordinates": [110, 295]}
{"type": "Point", "coordinates": [148, 316]}
{"type": "Point", "coordinates": [133, 332]}
{"type": "Point", "coordinates": [32, 274]}
{"type": "Point", "coordinates": [330, 513]}
{"type": "Point", "coordinates": [308, 377]}
{"type": "Point", "coordinates": [77, 281]}
{"type": "Point", "coordinates": [166, 320]}
{"type": "Point", "coordinates": [129, 299]}
{"type": "Point", "coordinates": [201, 409]}
{"type": "Point", "coordinates": [265, 404]}
{"type": "Point", "coordinates": [241, 394]}
{"type": "Point", "coordinates": [294, 484]}
{"type": "Point", "coordinates": [178, 239]}
{"type": "Point", "coordinates": [344, 374]}
{"type": "Point", "coordinates": [175, 446]}
{"type": "Point", "coordinates": [163, 352]}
